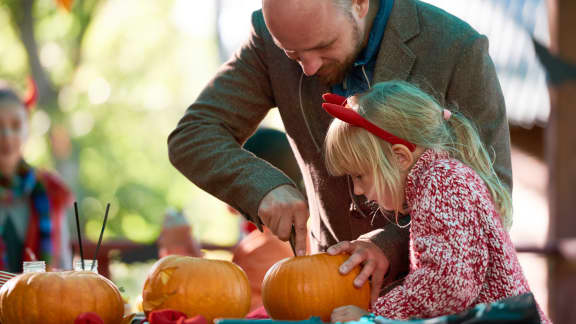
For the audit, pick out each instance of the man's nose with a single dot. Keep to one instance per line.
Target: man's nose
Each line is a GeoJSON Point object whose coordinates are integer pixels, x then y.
{"type": "Point", "coordinates": [310, 64]}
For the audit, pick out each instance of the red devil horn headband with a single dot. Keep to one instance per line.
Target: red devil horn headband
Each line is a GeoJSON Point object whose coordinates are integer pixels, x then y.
{"type": "Point", "coordinates": [335, 105]}
{"type": "Point", "coordinates": [32, 94]}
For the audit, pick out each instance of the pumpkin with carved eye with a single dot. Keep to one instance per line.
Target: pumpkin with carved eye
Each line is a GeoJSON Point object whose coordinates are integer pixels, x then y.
{"type": "Point", "coordinates": [299, 287]}
{"type": "Point", "coordinates": [197, 286]}
{"type": "Point", "coordinates": [59, 297]}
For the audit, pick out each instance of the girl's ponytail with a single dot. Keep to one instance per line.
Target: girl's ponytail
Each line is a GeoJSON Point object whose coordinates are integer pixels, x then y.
{"type": "Point", "coordinates": [468, 148]}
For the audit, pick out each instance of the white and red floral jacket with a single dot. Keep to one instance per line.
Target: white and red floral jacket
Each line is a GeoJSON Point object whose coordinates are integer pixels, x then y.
{"type": "Point", "coordinates": [460, 255]}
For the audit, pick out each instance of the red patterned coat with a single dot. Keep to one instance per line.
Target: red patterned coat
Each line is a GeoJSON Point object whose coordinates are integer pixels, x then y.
{"type": "Point", "coordinates": [460, 255]}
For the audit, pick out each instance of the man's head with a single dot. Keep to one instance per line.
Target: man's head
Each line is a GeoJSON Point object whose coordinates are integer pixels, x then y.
{"type": "Point", "coordinates": [323, 36]}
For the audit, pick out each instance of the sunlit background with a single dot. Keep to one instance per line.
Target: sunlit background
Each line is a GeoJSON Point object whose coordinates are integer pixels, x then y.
{"type": "Point", "coordinates": [124, 71]}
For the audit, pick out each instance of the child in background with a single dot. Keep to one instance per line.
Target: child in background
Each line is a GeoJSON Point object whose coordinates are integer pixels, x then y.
{"type": "Point", "coordinates": [33, 202]}
{"type": "Point", "coordinates": [411, 156]}
{"type": "Point", "coordinates": [176, 236]}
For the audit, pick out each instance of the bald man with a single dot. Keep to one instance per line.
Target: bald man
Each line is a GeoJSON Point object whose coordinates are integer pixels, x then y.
{"type": "Point", "coordinates": [298, 50]}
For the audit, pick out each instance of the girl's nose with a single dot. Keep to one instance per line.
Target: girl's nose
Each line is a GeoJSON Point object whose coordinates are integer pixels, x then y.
{"type": "Point", "coordinates": [357, 188]}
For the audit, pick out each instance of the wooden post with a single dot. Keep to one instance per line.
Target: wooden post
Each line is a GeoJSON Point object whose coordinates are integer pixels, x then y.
{"type": "Point", "coordinates": [561, 158]}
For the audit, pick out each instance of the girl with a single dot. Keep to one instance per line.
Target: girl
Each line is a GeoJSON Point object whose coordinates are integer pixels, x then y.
{"type": "Point", "coordinates": [411, 156]}
{"type": "Point", "coordinates": [32, 202]}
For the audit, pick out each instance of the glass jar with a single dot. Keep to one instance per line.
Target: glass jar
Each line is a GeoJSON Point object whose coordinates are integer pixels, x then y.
{"type": "Point", "coordinates": [34, 266]}
{"type": "Point", "coordinates": [87, 265]}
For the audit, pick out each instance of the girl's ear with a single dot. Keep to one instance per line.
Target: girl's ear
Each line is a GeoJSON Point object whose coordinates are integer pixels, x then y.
{"type": "Point", "coordinates": [404, 157]}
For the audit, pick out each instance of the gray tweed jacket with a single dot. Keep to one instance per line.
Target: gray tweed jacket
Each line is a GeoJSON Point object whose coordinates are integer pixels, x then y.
{"type": "Point", "coordinates": [421, 44]}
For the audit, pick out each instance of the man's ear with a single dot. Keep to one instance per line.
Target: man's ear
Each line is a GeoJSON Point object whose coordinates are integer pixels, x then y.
{"type": "Point", "coordinates": [360, 8]}
{"type": "Point", "coordinates": [404, 157]}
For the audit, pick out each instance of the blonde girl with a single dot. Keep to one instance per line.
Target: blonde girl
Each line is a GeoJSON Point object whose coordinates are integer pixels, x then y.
{"type": "Point", "coordinates": [411, 156]}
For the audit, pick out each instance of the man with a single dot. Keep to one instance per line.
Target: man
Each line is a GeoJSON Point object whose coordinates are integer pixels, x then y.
{"type": "Point", "coordinates": [298, 50]}
{"type": "Point", "coordinates": [258, 251]}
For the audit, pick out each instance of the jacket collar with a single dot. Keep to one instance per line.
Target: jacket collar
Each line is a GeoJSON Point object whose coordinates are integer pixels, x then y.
{"type": "Point", "coordinates": [395, 58]}
{"type": "Point", "coordinates": [394, 62]}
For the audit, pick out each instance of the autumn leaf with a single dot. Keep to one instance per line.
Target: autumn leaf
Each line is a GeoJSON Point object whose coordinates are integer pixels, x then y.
{"type": "Point", "coordinates": [66, 4]}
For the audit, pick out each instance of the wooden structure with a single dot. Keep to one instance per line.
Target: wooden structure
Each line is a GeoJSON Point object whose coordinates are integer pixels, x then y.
{"type": "Point", "coordinates": [561, 158]}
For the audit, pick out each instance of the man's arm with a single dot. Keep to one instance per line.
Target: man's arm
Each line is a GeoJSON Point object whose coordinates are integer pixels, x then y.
{"type": "Point", "coordinates": [475, 89]}
{"type": "Point", "coordinates": [206, 145]}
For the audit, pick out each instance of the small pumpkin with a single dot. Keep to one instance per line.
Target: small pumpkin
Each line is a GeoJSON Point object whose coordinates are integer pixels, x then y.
{"type": "Point", "coordinates": [299, 287]}
{"type": "Point", "coordinates": [59, 297]}
{"type": "Point", "coordinates": [197, 286]}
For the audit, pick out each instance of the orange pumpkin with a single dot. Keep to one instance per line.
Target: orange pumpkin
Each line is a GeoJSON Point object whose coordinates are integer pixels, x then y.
{"type": "Point", "coordinates": [300, 287]}
{"type": "Point", "coordinates": [59, 297]}
{"type": "Point", "coordinates": [197, 286]}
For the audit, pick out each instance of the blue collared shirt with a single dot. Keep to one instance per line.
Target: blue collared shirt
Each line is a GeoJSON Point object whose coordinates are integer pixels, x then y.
{"type": "Point", "coordinates": [355, 81]}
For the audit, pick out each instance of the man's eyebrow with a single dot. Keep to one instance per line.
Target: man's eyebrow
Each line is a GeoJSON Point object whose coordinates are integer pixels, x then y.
{"type": "Point", "coordinates": [319, 46]}
{"type": "Point", "coordinates": [323, 45]}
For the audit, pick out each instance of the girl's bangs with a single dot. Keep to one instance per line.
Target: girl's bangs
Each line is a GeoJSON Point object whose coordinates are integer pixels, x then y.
{"type": "Point", "coordinates": [345, 152]}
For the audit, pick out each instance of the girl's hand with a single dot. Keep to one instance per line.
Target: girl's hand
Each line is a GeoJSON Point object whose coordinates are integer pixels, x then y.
{"type": "Point", "coordinates": [374, 263]}
{"type": "Point", "coordinates": [347, 313]}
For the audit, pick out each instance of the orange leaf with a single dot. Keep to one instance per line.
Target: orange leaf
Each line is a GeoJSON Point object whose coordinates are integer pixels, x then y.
{"type": "Point", "coordinates": [66, 4]}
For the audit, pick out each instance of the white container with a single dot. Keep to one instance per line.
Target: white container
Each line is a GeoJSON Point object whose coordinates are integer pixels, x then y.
{"type": "Point", "coordinates": [34, 266]}
{"type": "Point", "coordinates": [87, 265]}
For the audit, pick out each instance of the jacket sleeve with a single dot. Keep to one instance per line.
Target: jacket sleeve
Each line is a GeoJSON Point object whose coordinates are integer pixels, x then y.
{"type": "Point", "coordinates": [449, 257]}
{"type": "Point", "coordinates": [206, 144]}
{"type": "Point", "coordinates": [475, 89]}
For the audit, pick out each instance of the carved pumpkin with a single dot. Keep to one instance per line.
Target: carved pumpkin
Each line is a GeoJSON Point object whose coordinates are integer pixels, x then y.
{"type": "Point", "coordinates": [197, 286]}
{"type": "Point", "coordinates": [300, 287]}
{"type": "Point", "coordinates": [59, 297]}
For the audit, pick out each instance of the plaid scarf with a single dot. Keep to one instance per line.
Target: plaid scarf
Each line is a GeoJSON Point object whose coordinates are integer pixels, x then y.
{"type": "Point", "coordinates": [26, 184]}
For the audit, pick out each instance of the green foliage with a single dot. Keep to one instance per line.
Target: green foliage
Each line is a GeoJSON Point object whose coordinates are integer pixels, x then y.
{"type": "Point", "coordinates": [125, 72]}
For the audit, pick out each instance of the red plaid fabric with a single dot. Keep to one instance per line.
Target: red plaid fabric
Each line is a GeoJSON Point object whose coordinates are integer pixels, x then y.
{"type": "Point", "coordinates": [5, 276]}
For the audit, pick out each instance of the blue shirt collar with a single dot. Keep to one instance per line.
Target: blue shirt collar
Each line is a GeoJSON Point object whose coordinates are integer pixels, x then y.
{"type": "Point", "coordinates": [371, 50]}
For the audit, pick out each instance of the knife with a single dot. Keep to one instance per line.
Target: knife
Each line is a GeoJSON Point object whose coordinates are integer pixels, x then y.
{"type": "Point", "coordinates": [292, 239]}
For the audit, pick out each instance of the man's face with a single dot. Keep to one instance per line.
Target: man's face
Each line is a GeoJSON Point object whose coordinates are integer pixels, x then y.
{"type": "Point", "coordinates": [323, 38]}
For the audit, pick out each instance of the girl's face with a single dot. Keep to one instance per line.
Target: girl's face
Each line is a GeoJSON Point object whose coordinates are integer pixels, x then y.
{"type": "Point", "coordinates": [13, 132]}
{"type": "Point", "coordinates": [364, 184]}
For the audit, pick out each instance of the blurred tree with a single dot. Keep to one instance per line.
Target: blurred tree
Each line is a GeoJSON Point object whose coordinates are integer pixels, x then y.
{"type": "Point", "coordinates": [22, 18]}
{"type": "Point", "coordinates": [114, 77]}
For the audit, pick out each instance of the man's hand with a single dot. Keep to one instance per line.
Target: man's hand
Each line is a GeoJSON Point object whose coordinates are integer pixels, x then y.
{"type": "Point", "coordinates": [374, 263]}
{"type": "Point", "coordinates": [347, 313]}
{"type": "Point", "coordinates": [282, 207]}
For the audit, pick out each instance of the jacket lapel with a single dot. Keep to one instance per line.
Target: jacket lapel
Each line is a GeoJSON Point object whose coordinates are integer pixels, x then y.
{"type": "Point", "coordinates": [312, 111]}
{"type": "Point", "coordinates": [395, 59]}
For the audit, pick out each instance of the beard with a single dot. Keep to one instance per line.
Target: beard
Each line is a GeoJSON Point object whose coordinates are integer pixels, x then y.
{"type": "Point", "coordinates": [334, 71]}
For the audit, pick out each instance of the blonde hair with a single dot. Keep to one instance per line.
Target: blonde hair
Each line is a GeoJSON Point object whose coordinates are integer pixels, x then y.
{"type": "Point", "coordinates": [406, 111]}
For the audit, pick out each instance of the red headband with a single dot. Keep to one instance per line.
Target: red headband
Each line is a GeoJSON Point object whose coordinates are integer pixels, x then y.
{"type": "Point", "coordinates": [32, 95]}
{"type": "Point", "coordinates": [336, 106]}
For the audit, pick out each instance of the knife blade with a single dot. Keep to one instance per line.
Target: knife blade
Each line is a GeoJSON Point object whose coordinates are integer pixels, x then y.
{"type": "Point", "coordinates": [292, 239]}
